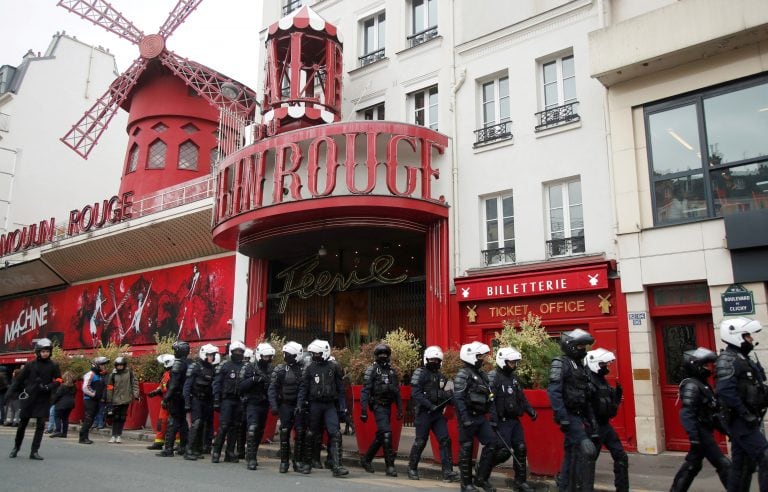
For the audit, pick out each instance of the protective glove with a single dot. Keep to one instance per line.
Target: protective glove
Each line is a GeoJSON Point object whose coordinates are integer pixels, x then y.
{"type": "Point", "coordinates": [155, 392]}
{"type": "Point", "coordinates": [467, 423]}
{"type": "Point", "coordinates": [164, 403]}
{"type": "Point", "coordinates": [297, 410]}
{"type": "Point", "coordinates": [274, 411]}
{"type": "Point", "coordinates": [433, 409]}
{"type": "Point", "coordinates": [564, 425]}
{"type": "Point", "coordinates": [364, 417]}
{"type": "Point", "coordinates": [399, 414]}
{"type": "Point", "coordinates": [532, 413]}
{"type": "Point", "coordinates": [343, 415]}
{"type": "Point", "coordinates": [43, 387]}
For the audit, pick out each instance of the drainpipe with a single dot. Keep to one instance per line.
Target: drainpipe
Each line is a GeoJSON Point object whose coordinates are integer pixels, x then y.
{"type": "Point", "coordinates": [456, 83]}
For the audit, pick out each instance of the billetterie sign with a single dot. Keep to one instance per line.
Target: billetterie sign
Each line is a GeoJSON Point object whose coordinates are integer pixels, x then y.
{"type": "Point", "coordinates": [90, 217]}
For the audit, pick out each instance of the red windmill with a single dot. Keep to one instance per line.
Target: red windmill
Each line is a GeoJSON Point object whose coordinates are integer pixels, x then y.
{"type": "Point", "coordinates": [172, 130]}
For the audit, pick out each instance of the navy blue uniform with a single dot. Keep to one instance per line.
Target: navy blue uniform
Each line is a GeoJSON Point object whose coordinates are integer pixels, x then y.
{"type": "Point", "coordinates": [283, 394]}
{"type": "Point", "coordinates": [381, 388]}
{"type": "Point", "coordinates": [226, 396]}
{"type": "Point", "coordinates": [198, 400]}
{"type": "Point", "coordinates": [741, 389]}
{"type": "Point", "coordinates": [253, 389]}
{"type": "Point", "coordinates": [605, 405]}
{"type": "Point", "coordinates": [174, 402]}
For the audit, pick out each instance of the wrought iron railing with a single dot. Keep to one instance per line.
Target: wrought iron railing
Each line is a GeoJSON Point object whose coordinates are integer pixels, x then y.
{"type": "Point", "coordinates": [498, 256]}
{"type": "Point", "coordinates": [420, 37]}
{"type": "Point", "coordinates": [371, 57]}
{"type": "Point", "coordinates": [565, 247]}
{"type": "Point", "coordinates": [560, 115]}
{"type": "Point", "coordinates": [290, 6]}
{"type": "Point", "coordinates": [492, 133]}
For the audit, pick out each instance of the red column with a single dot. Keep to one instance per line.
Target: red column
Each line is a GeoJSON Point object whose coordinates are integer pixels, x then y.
{"type": "Point", "coordinates": [437, 271]}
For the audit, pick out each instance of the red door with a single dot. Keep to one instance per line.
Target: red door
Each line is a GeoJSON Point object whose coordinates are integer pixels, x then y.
{"type": "Point", "coordinates": [673, 337]}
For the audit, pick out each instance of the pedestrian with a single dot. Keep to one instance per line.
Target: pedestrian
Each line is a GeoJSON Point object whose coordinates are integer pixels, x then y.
{"type": "Point", "coordinates": [283, 392]}
{"type": "Point", "coordinates": [122, 390]}
{"type": "Point", "coordinates": [511, 404]}
{"type": "Point", "coordinates": [473, 400]}
{"type": "Point", "coordinates": [34, 384]}
{"type": "Point", "coordinates": [63, 402]}
{"type": "Point", "coordinates": [322, 389]}
{"type": "Point", "coordinates": [226, 400]}
{"type": "Point", "coordinates": [93, 393]}
{"type": "Point", "coordinates": [12, 410]}
{"type": "Point", "coordinates": [253, 390]}
{"type": "Point", "coordinates": [741, 390]}
{"type": "Point", "coordinates": [3, 390]}
{"type": "Point", "coordinates": [430, 397]}
{"type": "Point", "coordinates": [605, 405]}
{"type": "Point", "coordinates": [174, 402]}
{"type": "Point", "coordinates": [699, 415]}
{"type": "Point", "coordinates": [381, 388]}
{"type": "Point", "coordinates": [198, 398]}
{"type": "Point", "coordinates": [166, 360]}
{"type": "Point", "coordinates": [51, 425]}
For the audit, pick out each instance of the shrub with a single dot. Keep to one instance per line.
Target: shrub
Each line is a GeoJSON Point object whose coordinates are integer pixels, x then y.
{"type": "Point", "coordinates": [76, 362]}
{"type": "Point", "coordinates": [406, 356]}
{"type": "Point", "coordinates": [537, 349]}
{"type": "Point", "coordinates": [145, 366]}
{"type": "Point", "coordinates": [451, 363]}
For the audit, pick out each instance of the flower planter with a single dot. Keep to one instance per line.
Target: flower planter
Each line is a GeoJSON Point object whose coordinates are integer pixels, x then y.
{"type": "Point", "coordinates": [453, 432]}
{"type": "Point", "coordinates": [153, 403]}
{"type": "Point", "coordinates": [77, 413]}
{"type": "Point", "coordinates": [269, 427]}
{"type": "Point", "coordinates": [543, 437]}
{"type": "Point", "coordinates": [365, 432]}
{"type": "Point", "coordinates": [136, 417]}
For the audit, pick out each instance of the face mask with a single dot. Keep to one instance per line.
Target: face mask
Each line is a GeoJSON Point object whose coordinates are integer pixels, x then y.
{"type": "Point", "coordinates": [747, 347]}
{"type": "Point", "coordinates": [705, 372]}
{"type": "Point", "coordinates": [603, 371]}
{"type": "Point", "coordinates": [317, 357]}
{"type": "Point", "coordinates": [434, 366]}
{"type": "Point", "coordinates": [382, 359]}
{"type": "Point", "coordinates": [290, 359]}
{"type": "Point", "coordinates": [479, 363]}
{"type": "Point", "coordinates": [236, 357]}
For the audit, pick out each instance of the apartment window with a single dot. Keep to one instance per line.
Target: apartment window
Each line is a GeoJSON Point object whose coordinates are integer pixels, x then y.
{"type": "Point", "coordinates": [558, 78]}
{"type": "Point", "coordinates": [566, 219]}
{"type": "Point", "coordinates": [160, 127]}
{"type": "Point", "coordinates": [425, 107]}
{"type": "Point", "coordinates": [133, 159]}
{"type": "Point", "coordinates": [188, 154]}
{"type": "Point", "coordinates": [424, 17]}
{"type": "Point", "coordinates": [499, 230]}
{"type": "Point", "coordinates": [373, 113]}
{"type": "Point", "coordinates": [374, 30]}
{"type": "Point", "coordinates": [156, 155]}
{"type": "Point", "coordinates": [495, 103]}
{"type": "Point", "coordinates": [707, 152]}
{"type": "Point", "coordinates": [291, 5]}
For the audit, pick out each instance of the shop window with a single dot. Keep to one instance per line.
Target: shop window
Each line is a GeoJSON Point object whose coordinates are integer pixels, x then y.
{"type": "Point", "coordinates": [496, 123]}
{"type": "Point", "coordinates": [188, 154]}
{"type": "Point", "coordinates": [565, 218]}
{"type": "Point", "coordinates": [157, 151]}
{"type": "Point", "coordinates": [423, 21]}
{"type": "Point", "coordinates": [558, 92]}
{"type": "Point", "coordinates": [499, 230]}
{"type": "Point", "coordinates": [133, 159]}
{"type": "Point", "coordinates": [707, 153]}
{"type": "Point", "coordinates": [372, 113]}
{"type": "Point", "coordinates": [374, 32]}
{"type": "Point", "coordinates": [679, 294]}
{"type": "Point", "coordinates": [424, 104]}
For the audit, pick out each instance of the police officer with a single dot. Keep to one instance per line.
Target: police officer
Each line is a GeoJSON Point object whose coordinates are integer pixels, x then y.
{"type": "Point", "coordinates": [741, 389]}
{"type": "Point", "coordinates": [174, 401]}
{"type": "Point", "coordinates": [473, 399]}
{"type": "Point", "coordinates": [605, 405]}
{"type": "Point", "coordinates": [322, 388]}
{"type": "Point", "coordinates": [253, 389]}
{"type": "Point", "coordinates": [226, 399]}
{"type": "Point", "coordinates": [699, 416]}
{"type": "Point", "coordinates": [34, 384]}
{"type": "Point", "coordinates": [511, 404]}
{"type": "Point", "coordinates": [430, 398]}
{"type": "Point", "coordinates": [198, 398]}
{"type": "Point", "coordinates": [283, 393]}
{"type": "Point", "coordinates": [569, 393]}
{"type": "Point", "coordinates": [381, 388]}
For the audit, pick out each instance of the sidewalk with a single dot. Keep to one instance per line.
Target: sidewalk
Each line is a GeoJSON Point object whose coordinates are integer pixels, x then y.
{"type": "Point", "coordinates": [648, 473]}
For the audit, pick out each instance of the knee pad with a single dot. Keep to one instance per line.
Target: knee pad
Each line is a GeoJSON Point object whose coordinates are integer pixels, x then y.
{"type": "Point", "coordinates": [420, 444]}
{"type": "Point", "coordinates": [466, 447]}
{"type": "Point", "coordinates": [520, 449]}
{"type": "Point", "coordinates": [622, 458]}
{"type": "Point", "coordinates": [387, 436]}
{"type": "Point", "coordinates": [252, 430]}
{"type": "Point", "coordinates": [588, 449]}
{"type": "Point", "coordinates": [502, 455]}
{"type": "Point", "coordinates": [693, 467]}
{"type": "Point", "coordinates": [722, 462]}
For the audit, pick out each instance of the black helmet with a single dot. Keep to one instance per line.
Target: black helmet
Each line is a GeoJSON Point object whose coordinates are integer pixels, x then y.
{"type": "Point", "coordinates": [570, 341]}
{"type": "Point", "coordinates": [120, 361]}
{"type": "Point", "coordinates": [180, 349]}
{"type": "Point", "coordinates": [382, 348]}
{"type": "Point", "coordinates": [42, 344]}
{"type": "Point", "coordinates": [695, 362]}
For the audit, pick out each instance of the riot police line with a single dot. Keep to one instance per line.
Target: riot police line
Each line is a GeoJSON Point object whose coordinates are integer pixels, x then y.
{"type": "Point", "coordinates": [306, 392]}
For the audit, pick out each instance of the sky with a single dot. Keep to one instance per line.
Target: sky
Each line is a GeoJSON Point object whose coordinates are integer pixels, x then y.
{"type": "Point", "coordinates": [222, 34]}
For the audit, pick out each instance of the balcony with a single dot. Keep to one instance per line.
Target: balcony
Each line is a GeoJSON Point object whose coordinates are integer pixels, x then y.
{"type": "Point", "coordinates": [565, 247]}
{"type": "Point", "coordinates": [421, 37]}
{"type": "Point", "coordinates": [290, 6]}
{"type": "Point", "coordinates": [498, 256]}
{"type": "Point", "coordinates": [560, 115]}
{"type": "Point", "coordinates": [371, 57]}
{"type": "Point", "coordinates": [493, 133]}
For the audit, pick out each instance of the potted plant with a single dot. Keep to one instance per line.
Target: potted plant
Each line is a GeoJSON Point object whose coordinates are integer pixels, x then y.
{"type": "Point", "coordinates": [538, 349]}
{"type": "Point", "coordinates": [149, 372]}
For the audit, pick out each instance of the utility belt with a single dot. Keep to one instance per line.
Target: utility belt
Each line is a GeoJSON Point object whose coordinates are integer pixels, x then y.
{"type": "Point", "coordinates": [324, 399]}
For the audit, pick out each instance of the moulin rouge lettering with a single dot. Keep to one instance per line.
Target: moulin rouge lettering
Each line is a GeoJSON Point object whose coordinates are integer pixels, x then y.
{"type": "Point", "coordinates": [300, 279]}
{"type": "Point", "coordinates": [29, 319]}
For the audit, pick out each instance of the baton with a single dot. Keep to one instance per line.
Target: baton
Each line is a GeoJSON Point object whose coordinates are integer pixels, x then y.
{"type": "Point", "coordinates": [511, 452]}
{"type": "Point", "coordinates": [441, 404]}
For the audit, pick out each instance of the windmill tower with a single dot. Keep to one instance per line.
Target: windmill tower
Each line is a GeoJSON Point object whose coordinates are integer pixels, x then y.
{"type": "Point", "coordinates": [172, 103]}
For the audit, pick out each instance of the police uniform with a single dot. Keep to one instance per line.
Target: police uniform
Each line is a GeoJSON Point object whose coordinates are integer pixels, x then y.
{"type": "Point", "coordinates": [605, 405]}
{"type": "Point", "coordinates": [226, 397]}
{"type": "Point", "coordinates": [283, 393]}
{"type": "Point", "coordinates": [253, 389]}
{"type": "Point", "coordinates": [198, 399]}
{"type": "Point", "coordinates": [174, 402]}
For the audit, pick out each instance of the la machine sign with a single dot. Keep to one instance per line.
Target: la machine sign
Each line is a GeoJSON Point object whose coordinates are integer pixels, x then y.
{"type": "Point", "coordinates": [95, 216]}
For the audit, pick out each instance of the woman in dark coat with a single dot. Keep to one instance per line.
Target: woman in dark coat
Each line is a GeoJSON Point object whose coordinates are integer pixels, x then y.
{"type": "Point", "coordinates": [34, 385]}
{"type": "Point", "coordinates": [63, 403]}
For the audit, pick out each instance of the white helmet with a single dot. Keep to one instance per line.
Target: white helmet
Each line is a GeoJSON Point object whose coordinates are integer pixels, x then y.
{"type": "Point", "coordinates": [595, 357]}
{"type": "Point", "coordinates": [237, 345]}
{"type": "Point", "coordinates": [208, 349]}
{"type": "Point", "coordinates": [470, 351]}
{"type": "Point", "coordinates": [166, 360]}
{"type": "Point", "coordinates": [249, 355]}
{"type": "Point", "coordinates": [264, 350]}
{"type": "Point", "coordinates": [217, 359]}
{"type": "Point", "coordinates": [732, 330]}
{"type": "Point", "coordinates": [321, 347]}
{"type": "Point", "coordinates": [433, 352]}
{"type": "Point", "coordinates": [505, 354]}
{"type": "Point", "coordinates": [292, 352]}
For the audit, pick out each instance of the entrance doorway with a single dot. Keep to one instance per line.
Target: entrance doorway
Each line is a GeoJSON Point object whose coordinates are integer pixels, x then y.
{"type": "Point", "coordinates": [675, 335]}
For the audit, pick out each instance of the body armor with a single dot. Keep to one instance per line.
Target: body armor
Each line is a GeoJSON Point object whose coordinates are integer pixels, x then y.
{"type": "Point", "coordinates": [384, 384]}
{"type": "Point", "coordinates": [203, 379]}
{"type": "Point", "coordinates": [605, 399]}
{"type": "Point", "coordinates": [231, 379]}
{"type": "Point", "coordinates": [478, 392]}
{"type": "Point", "coordinates": [575, 382]}
{"type": "Point", "coordinates": [254, 382]}
{"type": "Point", "coordinates": [432, 384]}
{"type": "Point", "coordinates": [322, 386]}
{"type": "Point", "coordinates": [508, 394]}
{"type": "Point", "coordinates": [701, 399]}
{"type": "Point", "coordinates": [749, 377]}
{"type": "Point", "coordinates": [288, 378]}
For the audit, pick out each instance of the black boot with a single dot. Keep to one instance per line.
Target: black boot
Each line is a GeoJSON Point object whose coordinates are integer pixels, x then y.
{"type": "Point", "coordinates": [520, 465]}
{"type": "Point", "coordinates": [621, 474]}
{"type": "Point", "coordinates": [465, 467]}
{"type": "Point", "coordinates": [317, 443]}
{"type": "Point", "coordinates": [34, 456]}
{"type": "Point", "coordinates": [155, 446]}
{"type": "Point", "coordinates": [389, 455]}
{"type": "Point", "coordinates": [484, 467]}
{"type": "Point", "coordinates": [285, 450]}
{"type": "Point", "coordinates": [415, 457]}
{"type": "Point", "coordinates": [306, 466]}
{"type": "Point", "coordinates": [229, 453]}
{"type": "Point", "coordinates": [242, 437]}
{"type": "Point", "coordinates": [251, 448]}
{"type": "Point", "coordinates": [194, 430]}
{"type": "Point", "coordinates": [684, 476]}
{"type": "Point", "coordinates": [298, 451]}
{"type": "Point", "coordinates": [366, 460]}
{"type": "Point", "coordinates": [334, 443]}
{"type": "Point", "coordinates": [14, 453]}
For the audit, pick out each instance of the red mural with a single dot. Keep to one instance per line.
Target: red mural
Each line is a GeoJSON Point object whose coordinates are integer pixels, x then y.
{"type": "Point", "coordinates": [192, 301]}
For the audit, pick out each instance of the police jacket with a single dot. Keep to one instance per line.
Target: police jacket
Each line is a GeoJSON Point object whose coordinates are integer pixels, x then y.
{"type": "Point", "coordinates": [428, 389]}
{"type": "Point", "coordinates": [699, 407]}
{"type": "Point", "coordinates": [175, 390]}
{"type": "Point", "coordinates": [381, 386]}
{"type": "Point", "coordinates": [740, 383]}
{"type": "Point", "coordinates": [199, 381]}
{"type": "Point", "coordinates": [322, 382]}
{"type": "Point", "coordinates": [605, 399]}
{"type": "Point", "coordinates": [255, 382]}
{"type": "Point", "coordinates": [226, 383]}
{"type": "Point", "coordinates": [472, 394]}
{"type": "Point", "coordinates": [284, 385]}
{"type": "Point", "coordinates": [508, 395]}
{"type": "Point", "coordinates": [37, 380]}
{"type": "Point", "coordinates": [569, 389]}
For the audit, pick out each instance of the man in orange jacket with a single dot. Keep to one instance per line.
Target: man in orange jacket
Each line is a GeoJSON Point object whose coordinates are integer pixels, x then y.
{"type": "Point", "coordinates": [162, 417]}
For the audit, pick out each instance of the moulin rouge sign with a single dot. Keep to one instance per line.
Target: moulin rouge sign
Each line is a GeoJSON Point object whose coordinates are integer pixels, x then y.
{"type": "Point", "coordinates": [106, 212]}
